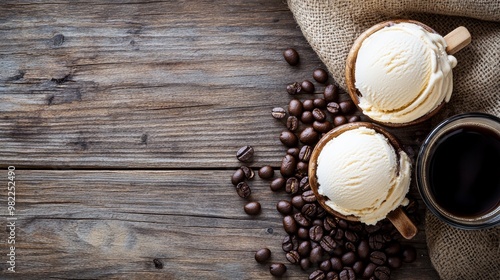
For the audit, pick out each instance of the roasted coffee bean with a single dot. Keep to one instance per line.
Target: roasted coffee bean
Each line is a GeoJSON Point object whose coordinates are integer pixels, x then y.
{"type": "Point", "coordinates": [328, 244]}
{"type": "Point", "coordinates": [302, 220]}
{"type": "Point", "coordinates": [305, 153]}
{"type": "Point", "coordinates": [292, 185]}
{"type": "Point", "coordinates": [243, 190]}
{"type": "Point", "coordinates": [308, 105]}
{"type": "Point", "coordinates": [293, 88]}
{"type": "Point", "coordinates": [284, 207]}
{"type": "Point", "coordinates": [351, 236]}
{"type": "Point", "coordinates": [409, 254]}
{"type": "Point", "coordinates": [363, 249]}
{"type": "Point", "coordinates": [277, 184]}
{"type": "Point", "coordinates": [238, 176]}
{"type": "Point", "coordinates": [378, 257]}
{"type": "Point", "coordinates": [331, 93]}
{"type": "Point", "coordinates": [304, 184]}
{"type": "Point", "coordinates": [339, 251]}
{"type": "Point", "coordinates": [317, 275]}
{"type": "Point", "coordinates": [329, 223]}
{"type": "Point", "coordinates": [317, 222]}
{"type": "Point", "coordinates": [346, 106]}
{"type": "Point", "coordinates": [349, 246]}
{"type": "Point", "coordinates": [291, 56]}
{"type": "Point", "coordinates": [277, 269]}
{"type": "Point", "coordinates": [278, 113]}
{"type": "Point", "coordinates": [318, 115]}
{"type": "Point", "coordinates": [292, 123]}
{"type": "Point", "coordinates": [293, 152]}
{"type": "Point", "coordinates": [393, 248]}
{"type": "Point", "coordinates": [262, 255]}
{"type": "Point", "coordinates": [289, 224]}
{"type": "Point", "coordinates": [316, 254]}
{"type": "Point", "coordinates": [332, 275]}
{"type": "Point", "coordinates": [358, 267]}
{"type": "Point", "coordinates": [319, 103]}
{"type": "Point", "coordinates": [382, 273]}
{"type": "Point", "coordinates": [252, 208]}
{"type": "Point", "coordinates": [322, 127]}
{"type": "Point", "coordinates": [321, 213]}
{"type": "Point", "coordinates": [304, 248]}
{"type": "Point", "coordinates": [288, 138]}
{"type": "Point", "coordinates": [305, 264]}
{"type": "Point", "coordinates": [303, 233]}
{"type": "Point", "coordinates": [316, 233]}
{"type": "Point", "coordinates": [412, 206]}
{"type": "Point", "coordinates": [369, 270]}
{"type": "Point", "coordinates": [293, 257]}
{"type": "Point", "coordinates": [325, 265]}
{"type": "Point", "coordinates": [302, 168]}
{"type": "Point", "coordinates": [343, 224]}
{"type": "Point", "coordinates": [356, 227]}
{"type": "Point", "coordinates": [295, 108]}
{"type": "Point", "coordinates": [298, 202]}
{"type": "Point", "coordinates": [307, 117]}
{"type": "Point", "coordinates": [288, 165]}
{"type": "Point", "coordinates": [336, 263]}
{"type": "Point", "coordinates": [372, 228]}
{"type": "Point", "coordinates": [339, 120]}
{"type": "Point", "coordinates": [347, 274]}
{"type": "Point", "coordinates": [333, 107]}
{"type": "Point", "coordinates": [376, 241]}
{"type": "Point", "coordinates": [308, 196]}
{"type": "Point", "coordinates": [307, 86]}
{"type": "Point", "coordinates": [249, 173]}
{"type": "Point", "coordinates": [352, 119]}
{"type": "Point", "coordinates": [309, 136]}
{"type": "Point", "coordinates": [394, 262]}
{"type": "Point", "coordinates": [245, 154]}
{"type": "Point", "coordinates": [339, 234]}
{"type": "Point", "coordinates": [349, 258]}
{"type": "Point", "coordinates": [309, 210]}
{"type": "Point", "coordinates": [266, 172]}
{"type": "Point", "coordinates": [320, 75]}
{"type": "Point", "coordinates": [290, 242]}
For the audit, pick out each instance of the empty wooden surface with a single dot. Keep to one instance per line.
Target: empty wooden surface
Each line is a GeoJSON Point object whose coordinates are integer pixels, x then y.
{"type": "Point", "coordinates": [123, 118]}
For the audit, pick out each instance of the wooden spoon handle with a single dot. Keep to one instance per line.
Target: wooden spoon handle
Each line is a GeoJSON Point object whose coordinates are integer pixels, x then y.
{"type": "Point", "coordinates": [402, 223]}
{"type": "Point", "coordinates": [457, 39]}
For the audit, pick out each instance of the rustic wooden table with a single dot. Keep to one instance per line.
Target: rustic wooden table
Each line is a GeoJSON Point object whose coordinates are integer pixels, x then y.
{"type": "Point", "coordinates": [122, 120]}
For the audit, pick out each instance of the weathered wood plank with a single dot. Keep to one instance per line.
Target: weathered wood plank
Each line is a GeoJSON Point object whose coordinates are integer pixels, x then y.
{"type": "Point", "coordinates": [112, 224]}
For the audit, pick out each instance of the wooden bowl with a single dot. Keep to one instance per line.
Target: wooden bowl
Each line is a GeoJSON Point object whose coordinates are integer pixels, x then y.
{"type": "Point", "coordinates": [397, 217]}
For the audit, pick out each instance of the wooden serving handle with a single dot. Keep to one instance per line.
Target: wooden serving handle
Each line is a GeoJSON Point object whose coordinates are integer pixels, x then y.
{"type": "Point", "coordinates": [457, 39]}
{"type": "Point", "coordinates": [402, 223]}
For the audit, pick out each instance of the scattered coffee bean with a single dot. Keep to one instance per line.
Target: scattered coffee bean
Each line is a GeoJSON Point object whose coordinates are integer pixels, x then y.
{"type": "Point", "coordinates": [376, 242]}
{"type": "Point", "coordinates": [372, 228]}
{"type": "Point", "coordinates": [358, 267]}
{"type": "Point", "coordinates": [369, 270]}
{"type": "Point", "coordinates": [266, 172]}
{"type": "Point", "coordinates": [291, 56]}
{"type": "Point", "coordinates": [295, 108]}
{"type": "Point", "coordinates": [409, 254]}
{"type": "Point", "coordinates": [349, 246]}
{"type": "Point", "coordinates": [319, 103]}
{"type": "Point", "coordinates": [305, 153]}
{"type": "Point", "coordinates": [332, 275]}
{"type": "Point", "coordinates": [292, 123]}
{"type": "Point", "coordinates": [293, 88]}
{"type": "Point", "coordinates": [298, 202]}
{"type": "Point", "coordinates": [304, 248]}
{"type": "Point", "coordinates": [349, 258]}
{"type": "Point", "coordinates": [322, 127]}
{"type": "Point", "coordinates": [278, 113]}
{"type": "Point", "coordinates": [307, 117]}
{"type": "Point", "coordinates": [339, 120]}
{"type": "Point", "coordinates": [317, 275]}
{"type": "Point", "coordinates": [307, 86]}
{"type": "Point", "coordinates": [158, 263]}
{"type": "Point", "coordinates": [333, 107]}
{"type": "Point", "coordinates": [339, 234]}
{"type": "Point", "coordinates": [352, 119]}
{"type": "Point", "coordinates": [293, 257]}
{"type": "Point", "coordinates": [243, 190]}
{"type": "Point", "coordinates": [292, 185]}
{"type": "Point", "coordinates": [238, 176]}
{"type": "Point", "coordinates": [393, 248]}
{"type": "Point", "coordinates": [309, 136]}
{"type": "Point", "coordinates": [351, 236]}
{"type": "Point", "coordinates": [316, 254]}
{"type": "Point", "coordinates": [336, 263]}
{"type": "Point", "coordinates": [347, 274]}
{"type": "Point", "coordinates": [302, 168]}
{"type": "Point", "coordinates": [347, 106]}
{"type": "Point", "coordinates": [342, 224]}
{"type": "Point", "coordinates": [363, 249]}
{"type": "Point", "coordinates": [277, 184]}
{"type": "Point", "coordinates": [288, 165]}
{"type": "Point", "coordinates": [303, 233]}
{"type": "Point", "coordinates": [245, 154]}
{"type": "Point", "coordinates": [289, 224]}
{"type": "Point", "coordinates": [302, 220]}
{"type": "Point", "coordinates": [394, 262]}
{"type": "Point", "coordinates": [288, 138]}
{"type": "Point", "coordinates": [318, 115]}
{"type": "Point", "coordinates": [328, 244]}
{"type": "Point", "coordinates": [277, 269]}
{"type": "Point", "coordinates": [316, 233]}
{"type": "Point", "coordinates": [305, 264]}
{"type": "Point", "coordinates": [308, 104]}
{"type": "Point", "coordinates": [290, 243]}
{"type": "Point", "coordinates": [262, 255]}
{"type": "Point", "coordinates": [304, 184]}
{"type": "Point", "coordinates": [293, 152]}
{"type": "Point", "coordinates": [252, 208]}
{"type": "Point", "coordinates": [382, 273]}
{"type": "Point", "coordinates": [378, 257]}
{"type": "Point", "coordinates": [284, 207]}
{"type": "Point", "coordinates": [309, 210]}
{"type": "Point", "coordinates": [317, 222]}
{"type": "Point", "coordinates": [331, 93]}
{"type": "Point", "coordinates": [308, 196]}
{"type": "Point", "coordinates": [249, 173]}
{"type": "Point", "coordinates": [320, 75]}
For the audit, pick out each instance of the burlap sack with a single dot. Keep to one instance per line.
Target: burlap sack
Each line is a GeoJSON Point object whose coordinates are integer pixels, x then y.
{"type": "Point", "coordinates": [331, 27]}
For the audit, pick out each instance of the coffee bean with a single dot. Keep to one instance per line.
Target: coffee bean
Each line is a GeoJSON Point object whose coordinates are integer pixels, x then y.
{"type": "Point", "coordinates": [331, 93]}
{"type": "Point", "coordinates": [356, 227]}
{"type": "Point", "coordinates": [318, 115]}
{"type": "Point", "coordinates": [243, 190]}
{"type": "Point", "coordinates": [363, 249]}
{"type": "Point", "coordinates": [351, 236]}
{"type": "Point", "coordinates": [317, 275]}
{"type": "Point", "coordinates": [376, 241]}
{"type": "Point", "coordinates": [347, 274]}
{"type": "Point", "coordinates": [339, 120]}
{"type": "Point", "coordinates": [295, 108]}
{"type": "Point", "coordinates": [316, 233]}
{"type": "Point", "coordinates": [291, 56]}
{"type": "Point", "coordinates": [292, 123]}
{"type": "Point", "coordinates": [305, 264]}
{"type": "Point", "coordinates": [325, 265]}
{"type": "Point", "coordinates": [158, 263]}
{"type": "Point", "coordinates": [352, 119]}
{"type": "Point", "coordinates": [293, 88]}
{"type": "Point", "coordinates": [307, 86]}
{"type": "Point", "coordinates": [289, 224]}
{"type": "Point", "coordinates": [293, 257]}
{"type": "Point", "coordinates": [302, 168]}
{"type": "Point", "coordinates": [278, 113]}
{"type": "Point", "coordinates": [339, 251]}
{"type": "Point", "coordinates": [266, 172]}
{"type": "Point", "coordinates": [277, 184]}
{"type": "Point", "coordinates": [308, 104]}
{"type": "Point", "coordinates": [307, 117]}
{"type": "Point", "coordinates": [412, 206]}
{"type": "Point", "coordinates": [309, 210]}
{"type": "Point", "coordinates": [304, 184]}
{"type": "Point", "coordinates": [394, 262]}
{"type": "Point", "coordinates": [288, 165]}
{"type": "Point", "coordinates": [238, 176]}
{"type": "Point", "coordinates": [321, 213]}
{"type": "Point", "coordinates": [349, 258]}
{"type": "Point", "coordinates": [316, 254]}
{"type": "Point", "coordinates": [293, 152]}
{"type": "Point", "coordinates": [336, 263]}
{"type": "Point", "coordinates": [298, 202]}
{"type": "Point", "coordinates": [393, 248]}
{"type": "Point", "coordinates": [382, 273]}
{"type": "Point", "coordinates": [309, 196]}
{"type": "Point", "coordinates": [358, 267]}
{"type": "Point", "coordinates": [346, 106]}
{"type": "Point", "coordinates": [305, 153]}
{"type": "Point", "coordinates": [349, 246]}
{"type": "Point", "coordinates": [308, 136]}
{"type": "Point", "coordinates": [409, 254]}
{"type": "Point", "coordinates": [303, 233]}
{"type": "Point", "coordinates": [262, 255]}
{"type": "Point", "coordinates": [277, 269]}
{"type": "Point", "coordinates": [292, 185]}
{"type": "Point", "coordinates": [343, 224]}
{"type": "Point", "coordinates": [317, 222]}
{"type": "Point", "coordinates": [288, 139]}
{"type": "Point", "coordinates": [322, 127]}
{"type": "Point", "coordinates": [378, 257]}
{"type": "Point", "coordinates": [302, 220]}
{"type": "Point", "coordinates": [319, 103]}
{"type": "Point", "coordinates": [333, 107]}
{"type": "Point", "coordinates": [328, 244]}
{"type": "Point", "coordinates": [284, 207]}
{"type": "Point", "coordinates": [245, 154]}
{"type": "Point", "coordinates": [339, 234]}
{"type": "Point", "coordinates": [249, 173]}
{"type": "Point", "coordinates": [332, 275]}
{"type": "Point", "coordinates": [289, 243]}
{"type": "Point", "coordinates": [252, 208]}
{"type": "Point", "coordinates": [372, 228]}
{"type": "Point", "coordinates": [369, 270]}
{"type": "Point", "coordinates": [320, 75]}
{"type": "Point", "coordinates": [329, 223]}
